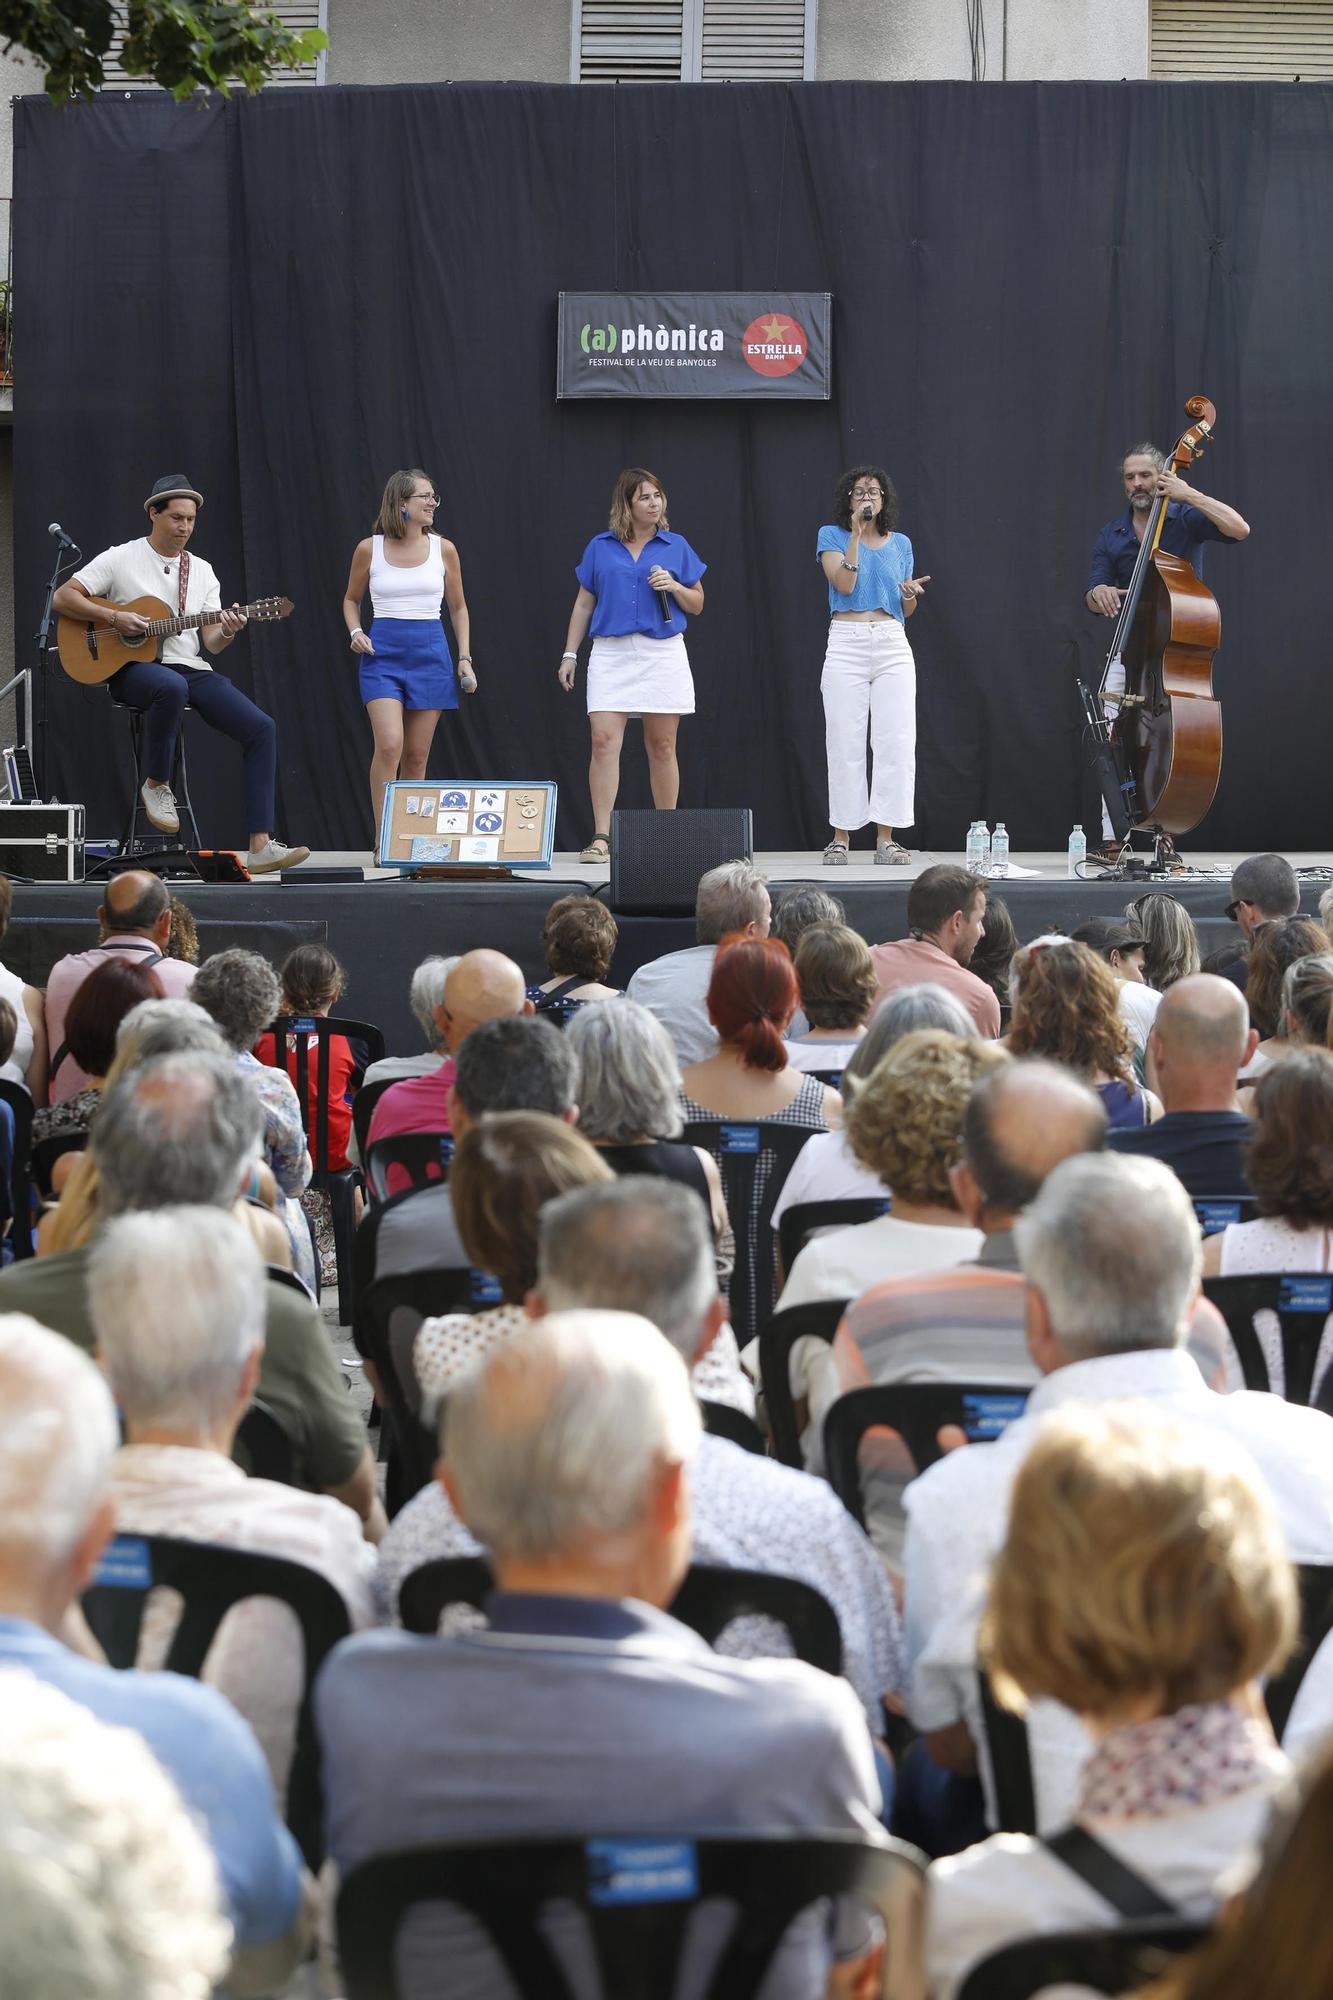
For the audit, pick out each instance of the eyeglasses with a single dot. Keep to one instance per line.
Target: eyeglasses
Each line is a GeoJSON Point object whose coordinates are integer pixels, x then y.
{"type": "Point", "coordinates": [432, 499]}
{"type": "Point", "coordinates": [867, 493]}
{"type": "Point", "coordinates": [1231, 910]}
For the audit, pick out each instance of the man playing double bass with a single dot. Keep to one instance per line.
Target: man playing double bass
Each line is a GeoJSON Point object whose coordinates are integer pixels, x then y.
{"type": "Point", "coordinates": [1191, 520]}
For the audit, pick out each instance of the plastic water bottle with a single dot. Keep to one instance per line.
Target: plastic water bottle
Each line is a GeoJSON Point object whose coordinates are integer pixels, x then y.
{"type": "Point", "coordinates": [974, 840]}
{"type": "Point", "coordinates": [999, 849]}
{"type": "Point", "coordinates": [1078, 850]}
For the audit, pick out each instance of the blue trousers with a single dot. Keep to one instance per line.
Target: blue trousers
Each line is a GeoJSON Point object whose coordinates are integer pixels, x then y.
{"type": "Point", "coordinates": [160, 692]}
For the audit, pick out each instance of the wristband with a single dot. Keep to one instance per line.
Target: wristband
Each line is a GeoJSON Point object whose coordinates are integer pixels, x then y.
{"type": "Point", "coordinates": [569, 656]}
{"type": "Point", "coordinates": [356, 633]}
{"type": "Point", "coordinates": [462, 657]}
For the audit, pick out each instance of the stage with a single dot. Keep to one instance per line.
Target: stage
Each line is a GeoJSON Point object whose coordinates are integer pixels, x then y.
{"type": "Point", "coordinates": [381, 927]}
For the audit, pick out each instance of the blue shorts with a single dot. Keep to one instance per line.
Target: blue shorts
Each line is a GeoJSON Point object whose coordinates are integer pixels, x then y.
{"type": "Point", "coordinates": [411, 664]}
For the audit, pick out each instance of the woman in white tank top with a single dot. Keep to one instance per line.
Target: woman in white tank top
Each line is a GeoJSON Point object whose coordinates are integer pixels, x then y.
{"type": "Point", "coordinates": [406, 673]}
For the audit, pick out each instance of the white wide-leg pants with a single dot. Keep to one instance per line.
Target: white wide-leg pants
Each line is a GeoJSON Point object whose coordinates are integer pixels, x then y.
{"type": "Point", "coordinates": [869, 678]}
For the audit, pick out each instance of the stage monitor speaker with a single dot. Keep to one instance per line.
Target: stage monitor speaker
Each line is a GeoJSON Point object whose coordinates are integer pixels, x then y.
{"type": "Point", "coordinates": [658, 857]}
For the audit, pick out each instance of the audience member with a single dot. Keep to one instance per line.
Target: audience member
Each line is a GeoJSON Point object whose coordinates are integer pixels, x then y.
{"type": "Point", "coordinates": [1170, 941]}
{"type": "Point", "coordinates": [826, 1168]}
{"type": "Point", "coordinates": [967, 1322]}
{"type": "Point", "coordinates": [751, 999]}
{"type": "Point", "coordinates": [836, 981]}
{"type": "Point", "coordinates": [1110, 1251]}
{"type": "Point", "coordinates": [991, 959]}
{"type": "Point", "coordinates": [1200, 1041]}
{"type": "Point", "coordinates": [8, 1031]}
{"type": "Point", "coordinates": [1307, 1001]}
{"type": "Point", "coordinates": [1279, 1939]}
{"type": "Point", "coordinates": [27, 1060]}
{"type": "Point", "coordinates": [241, 992]}
{"type": "Point", "coordinates": [584, 1707]}
{"type": "Point", "coordinates": [108, 1891]}
{"type": "Point", "coordinates": [313, 982]}
{"type": "Point", "coordinates": [578, 942]}
{"type": "Point", "coordinates": [794, 913]}
{"type": "Point", "coordinates": [641, 1246]}
{"type": "Point", "coordinates": [183, 937]}
{"type": "Point", "coordinates": [1067, 1008]}
{"type": "Point", "coordinates": [425, 997]}
{"type": "Point", "coordinates": [134, 922]}
{"type": "Point", "coordinates": [732, 898]}
{"type": "Point", "coordinates": [1277, 946]}
{"type": "Point", "coordinates": [505, 1168]}
{"type": "Point", "coordinates": [99, 1005]}
{"type": "Point", "coordinates": [185, 1130]}
{"type": "Point", "coordinates": [628, 1093]}
{"type": "Point", "coordinates": [1290, 1170]}
{"type": "Point", "coordinates": [1262, 889]}
{"type": "Point", "coordinates": [58, 1436]}
{"type": "Point", "coordinates": [1144, 1585]}
{"type": "Point", "coordinates": [178, 1303]}
{"type": "Point", "coordinates": [481, 986]}
{"type": "Point", "coordinates": [1124, 948]}
{"type": "Point", "coordinates": [946, 915]}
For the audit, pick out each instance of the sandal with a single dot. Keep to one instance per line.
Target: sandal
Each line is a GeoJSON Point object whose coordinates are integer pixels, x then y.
{"type": "Point", "coordinates": [835, 854]}
{"type": "Point", "coordinates": [598, 849]}
{"type": "Point", "coordinates": [891, 854]}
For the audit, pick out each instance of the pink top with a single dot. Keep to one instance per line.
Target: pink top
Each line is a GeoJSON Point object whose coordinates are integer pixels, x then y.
{"type": "Point", "coordinates": [918, 962]}
{"type": "Point", "coordinates": [417, 1104]}
{"type": "Point", "coordinates": [68, 975]}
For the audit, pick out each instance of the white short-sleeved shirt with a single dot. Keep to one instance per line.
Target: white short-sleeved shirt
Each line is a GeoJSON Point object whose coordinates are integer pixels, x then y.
{"type": "Point", "coordinates": [135, 569]}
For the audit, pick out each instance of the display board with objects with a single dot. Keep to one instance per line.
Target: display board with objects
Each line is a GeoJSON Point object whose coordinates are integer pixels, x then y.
{"type": "Point", "coordinates": [465, 826]}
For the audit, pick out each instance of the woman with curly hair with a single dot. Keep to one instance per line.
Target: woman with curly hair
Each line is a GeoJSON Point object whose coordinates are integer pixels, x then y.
{"type": "Point", "coordinates": [752, 996]}
{"type": "Point", "coordinates": [1170, 941]}
{"type": "Point", "coordinates": [1067, 1008]}
{"type": "Point", "coordinates": [1278, 945]}
{"type": "Point", "coordinates": [579, 940]}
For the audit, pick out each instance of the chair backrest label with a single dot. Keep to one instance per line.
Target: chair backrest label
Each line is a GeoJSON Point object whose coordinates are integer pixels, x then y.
{"type": "Point", "coordinates": [641, 1871]}
{"type": "Point", "coordinates": [1215, 1215]}
{"type": "Point", "coordinates": [127, 1564]}
{"type": "Point", "coordinates": [984, 1417]}
{"type": "Point", "coordinates": [738, 1138]}
{"type": "Point", "coordinates": [1306, 1295]}
{"type": "Point", "coordinates": [483, 1289]}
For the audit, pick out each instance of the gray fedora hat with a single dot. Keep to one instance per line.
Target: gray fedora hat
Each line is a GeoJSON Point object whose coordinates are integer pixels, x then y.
{"type": "Point", "coordinates": [175, 486]}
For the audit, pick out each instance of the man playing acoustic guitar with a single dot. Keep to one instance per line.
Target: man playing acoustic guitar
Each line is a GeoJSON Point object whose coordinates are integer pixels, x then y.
{"type": "Point", "coordinates": [158, 565]}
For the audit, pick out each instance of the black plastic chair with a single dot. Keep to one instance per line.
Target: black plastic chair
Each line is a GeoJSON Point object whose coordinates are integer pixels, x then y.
{"type": "Point", "coordinates": [339, 1182]}
{"type": "Point", "coordinates": [264, 1445]}
{"type": "Point", "coordinates": [1111, 1961]}
{"type": "Point", "coordinates": [723, 1420]}
{"type": "Point", "coordinates": [817, 1319]}
{"type": "Point", "coordinates": [805, 1219]}
{"type": "Point", "coordinates": [363, 1109]}
{"type": "Point", "coordinates": [387, 1319]}
{"type": "Point", "coordinates": [1010, 1754]}
{"type": "Point", "coordinates": [1217, 1211]}
{"type": "Point", "coordinates": [45, 1153]}
{"type": "Point", "coordinates": [211, 1580]}
{"type": "Point", "coordinates": [1302, 1303]}
{"type": "Point", "coordinates": [423, 1156]}
{"type": "Point", "coordinates": [635, 1895]}
{"type": "Point", "coordinates": [1316, 1588]}
{"type": "Point", "coordinates": [754, 1158]}
{"type": "Point", "coordinates": [707, 1601]}
{"type": "Point", "coordinates": [916, 1411]}
{"type": "Point", "coordinates": [20, 1187]}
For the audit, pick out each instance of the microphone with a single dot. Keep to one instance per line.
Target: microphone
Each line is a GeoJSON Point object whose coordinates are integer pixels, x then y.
{"type": "Point", "coordinates": [664, 599]}
{"type": "Point", "coordinates": [65, 541]}
{"type": "Point", "coordinates": [867, 512]}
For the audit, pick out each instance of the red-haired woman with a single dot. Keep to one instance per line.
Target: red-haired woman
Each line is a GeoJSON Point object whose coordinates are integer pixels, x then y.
{"type": "Point", "coordinates": [752, 996]}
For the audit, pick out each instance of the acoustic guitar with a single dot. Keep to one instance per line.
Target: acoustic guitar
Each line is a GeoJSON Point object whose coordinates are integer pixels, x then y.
{"type": "Point", "coordinates": [91, 653]}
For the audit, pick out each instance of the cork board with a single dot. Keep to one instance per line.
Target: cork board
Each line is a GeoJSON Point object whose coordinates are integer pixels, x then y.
{"type": "Point", "coordinates": [490, 825]}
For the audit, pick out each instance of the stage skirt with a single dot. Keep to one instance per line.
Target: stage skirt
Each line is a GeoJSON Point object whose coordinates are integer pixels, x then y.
{"type": "Point", "coordinates": [635, 675]}
{"type": "Point", "coordinates": [410, 664]}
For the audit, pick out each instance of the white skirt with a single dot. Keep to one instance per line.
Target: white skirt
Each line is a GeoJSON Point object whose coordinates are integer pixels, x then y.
{"type": "Point", "coordinates": [634, 675]}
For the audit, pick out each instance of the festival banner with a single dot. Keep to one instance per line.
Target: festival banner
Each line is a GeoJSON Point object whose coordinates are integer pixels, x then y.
{"type": "Point", "coordinates": [748, 346]}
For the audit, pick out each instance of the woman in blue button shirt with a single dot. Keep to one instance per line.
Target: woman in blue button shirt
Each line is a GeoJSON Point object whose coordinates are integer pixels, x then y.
{"type": "Point", "coordinates": [636, 583]}
{"type": "Point", "coordinates": [869, 675]}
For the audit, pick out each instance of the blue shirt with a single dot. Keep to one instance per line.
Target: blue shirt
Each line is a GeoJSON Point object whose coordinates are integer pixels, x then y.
{"type": "Point", "coordinates": [1118, 546]}
{"type": "Point", "coordinates": [626, 601]}
{"type": "Point", "coordinates": [879, 572]}
{"type": "Point", "coordinates": [203, 1744]}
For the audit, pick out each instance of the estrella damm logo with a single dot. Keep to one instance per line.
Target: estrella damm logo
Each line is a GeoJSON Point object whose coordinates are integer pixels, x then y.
{"type": "Point", "coordinates": [774, 344]}
{"type": "Point", "coordinates": [599, 339]}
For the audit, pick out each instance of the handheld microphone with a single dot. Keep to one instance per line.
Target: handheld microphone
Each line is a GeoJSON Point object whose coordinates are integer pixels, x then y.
{"type": "Point", "coordinates": [65, 541]}
{"type": "Point", "coordinates": [867, 512]}
{"type": "Point", "coordinates": [664, 599]}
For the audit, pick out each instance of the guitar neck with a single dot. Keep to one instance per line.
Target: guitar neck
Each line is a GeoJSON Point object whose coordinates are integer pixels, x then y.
{"type": "Point", "coordinates": [163, 628]}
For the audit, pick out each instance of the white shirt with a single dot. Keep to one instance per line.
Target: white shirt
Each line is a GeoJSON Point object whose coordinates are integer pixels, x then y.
{"type": "Point", "coordinates": [847, 1262]}
{"type": "Point", "coordinates": [1138, 1009]}
{"type": "Point", "coordinates": [256, 1658]}
{"type": "Point", "coordinates": [957, 1513]}
{"type": "Point", "coordinates": [675, 988]}
{"type": "Point", "coordinates": [805, 1055]}
{"type": "Point", "coordinates": [826, 1169]}
{"type": "Point", "coordinates": [16, 1069]}
{"type": "Point", "coordinates": [1271, 1244]}
{"type": "Point", "coordinates": [135, 569]}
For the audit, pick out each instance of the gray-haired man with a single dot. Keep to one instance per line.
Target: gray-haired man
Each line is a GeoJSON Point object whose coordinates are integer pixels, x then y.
{"type": "Point", "coordinates": [730, 898]}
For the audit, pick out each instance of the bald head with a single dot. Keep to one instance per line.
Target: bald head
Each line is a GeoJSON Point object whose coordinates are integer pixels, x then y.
{"type": "Point", "coordinates": [483, 986]}
{"type": "Point", "coordinates": [1022, 1119]}
{"type": "Point", "coordinates": [135, 901]}
{"type": "Point", "coordinates": [1199, 1040]}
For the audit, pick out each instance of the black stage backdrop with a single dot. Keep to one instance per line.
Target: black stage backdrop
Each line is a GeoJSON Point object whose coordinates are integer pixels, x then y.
{"type": "Point", "coordinates": [289, 297]}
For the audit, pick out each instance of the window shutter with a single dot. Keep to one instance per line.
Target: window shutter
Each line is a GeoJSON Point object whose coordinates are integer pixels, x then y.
{"type": "Point", "coordinates": [633, 41]}
{"type": "Point", "coordinates": [1221, 39]}
{"type": "Point", "coordinates": [299, 15]}
{"type": "Point", "coordinates": [747, 41]}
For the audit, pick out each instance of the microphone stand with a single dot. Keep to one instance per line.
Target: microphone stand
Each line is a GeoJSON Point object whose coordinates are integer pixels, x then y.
{"type": "Point", "coordinates": [42, 641]}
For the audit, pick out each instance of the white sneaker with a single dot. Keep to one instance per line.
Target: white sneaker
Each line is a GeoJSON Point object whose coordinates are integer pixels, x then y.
{"type": "Point", "coordinates": [273, 856]}
{"type": "Point", "coordinates": [159, 802]}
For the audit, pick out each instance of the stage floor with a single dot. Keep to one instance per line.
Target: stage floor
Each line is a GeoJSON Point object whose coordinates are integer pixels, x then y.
{"type": "Point", "coordinates": [381, 927]}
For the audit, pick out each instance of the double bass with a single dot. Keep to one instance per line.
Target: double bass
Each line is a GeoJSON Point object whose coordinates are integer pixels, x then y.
{"type": "Point", "coordinates": [1168, 735]}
